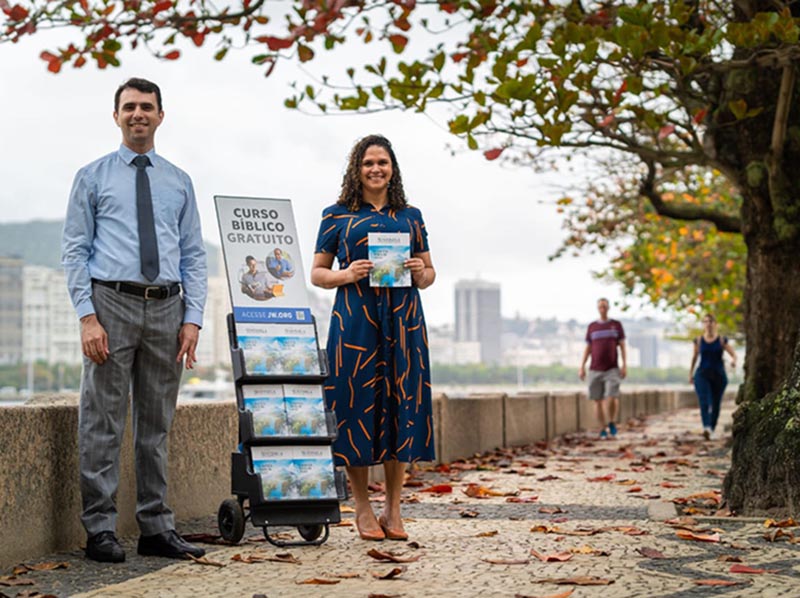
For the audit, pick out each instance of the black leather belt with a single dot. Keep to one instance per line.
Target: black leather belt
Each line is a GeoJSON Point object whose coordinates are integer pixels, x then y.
{"type": "Point", "coordinates": [148, 292]}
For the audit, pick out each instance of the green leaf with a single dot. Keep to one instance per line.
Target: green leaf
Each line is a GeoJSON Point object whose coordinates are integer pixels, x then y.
{"type": "Point", "coordinates": [471, 143]}
{"type": "Point", "coordinates": [738, 108]}
{"type": "Point", "coordinates": [438, 61]}
{"type": "Point", "coordinates": [221, 54]}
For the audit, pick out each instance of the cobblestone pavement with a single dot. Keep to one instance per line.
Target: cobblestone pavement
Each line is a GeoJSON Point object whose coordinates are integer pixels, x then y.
{"type": "Point", "coordinates": [471, 546]}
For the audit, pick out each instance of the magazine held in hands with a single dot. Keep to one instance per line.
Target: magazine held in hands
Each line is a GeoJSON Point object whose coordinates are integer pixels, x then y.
{"type": "Point", "coordinates": [388, 253]}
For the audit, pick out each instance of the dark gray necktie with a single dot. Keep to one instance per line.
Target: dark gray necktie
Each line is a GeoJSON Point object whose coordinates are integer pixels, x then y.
{"type": "Point", "coordinates": [148, 246]}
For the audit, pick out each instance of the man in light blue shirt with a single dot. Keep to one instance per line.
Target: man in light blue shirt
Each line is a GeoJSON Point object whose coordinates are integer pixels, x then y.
{"type": "Point", "coordinates": [135, 264]}
{"type": "Point", "coordinates": [279, 266]}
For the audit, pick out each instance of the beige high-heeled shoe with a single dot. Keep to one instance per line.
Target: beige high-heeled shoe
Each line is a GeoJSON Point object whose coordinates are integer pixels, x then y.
{"type": "Point", "coordinates": [391, 533]}
{"type": "Point", "coordinates": [374, 535]}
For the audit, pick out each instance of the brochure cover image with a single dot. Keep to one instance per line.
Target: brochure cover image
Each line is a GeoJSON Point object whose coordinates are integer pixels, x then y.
{"type": "Point", "coordinates": [262, 259]}
{"type": "Point", "coordinates": [305, 410]}
{"type": "Point", "coordinates": [388, 252]}
{"type": "Point", "coordinates": [279, 349]}
{"type": "Point", "coordinates": [276, 467]}
{"type": "Point", "coordinates": [315, 472]}
{"type": "Point", "coordinates": [266, 404]}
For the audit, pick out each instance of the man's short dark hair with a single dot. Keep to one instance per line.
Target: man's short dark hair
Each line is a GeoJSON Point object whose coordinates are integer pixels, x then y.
{"type": "Point", "coordinates": [604, 299]}
{"type": "Point", "coordinates": [138, 84]}
{"type": "Point", "coordinates": [248, 258]}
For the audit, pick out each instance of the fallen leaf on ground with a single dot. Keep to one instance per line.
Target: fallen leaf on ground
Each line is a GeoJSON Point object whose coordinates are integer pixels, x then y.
{"type": "Point", "coordinates": [372, 595]}
{"type": "Point", "coordinates": [346, 509]}
{"type": "Point", "coordinates": [438, 489]}
{"type": "Point", "coordinates": [783, 523]}
{"type": "Point", "coordinates": [634, 489]}
{"type": "Point", "coordinates": [559, 595]}
{"type": "Point", "coordinates": [285, 557]}
{"type": "Point", "coordinates": [346, 523]}
{"type": "Point", "coordinates": [205, 561]}
{"type": "Point", "coordinates": [671, 485]}
{"type": "Point", "coordinates": [626, 482]}
{"type": "Point", "coordinates": [12, 580]}
{"type": "Point", "coordinates": [602, 478]}
{"type": "Point", "coordinates": [716, 582]}
{"type": "Point", "coordinates": [551, 510]}
{"type": "Point", "coordinates": [687, 535]}
{"type": "Point", "coordinates": [415, 545]}
{"type": "Point", "coordinates": [381, 555]}
{"type": "Point", "coordinates": [318, 581]}
{"type": "Point", "coordinates": [468, 514]}
{"type": "Point", "coordinates": [489, 534]}
{"type": "Point", "coordinates": [729, 558]}
{"type": "Point", "coordinates": [249, 558]}
{"type": "Point", "coordinates": [586, 580]}
{"type": "Point", "coordinates": [557, 557]}
{"type": "Point", "coordinates": [397, 571]}
{"type": "Point", "coordinates": [546, 529]}
{"type": "Point", "coordinates": [628, 530]}
{"type": "Point", "coordinates": [521, 499]}
{"type": "Point", "coordinates": [651, 553]}
{"type": "Point", "coordinates": [477, 491]}
{"type": "Point", "coordinates": [40, 567]}
{"type": "Point", "coordinates": [586, 549]}
{"type": "Point", "coordinates": [750, 570]}
{"type": "Point", "coordinates": [34, 594]}
{"type": "Point", "coordinates": [204, 538]}
{"type": "Point", "coordinates": [548, 478]}
{"type": "Point", "coordinates": [501, 561]}
{"type": "Point", "coordinates": [346, 575]}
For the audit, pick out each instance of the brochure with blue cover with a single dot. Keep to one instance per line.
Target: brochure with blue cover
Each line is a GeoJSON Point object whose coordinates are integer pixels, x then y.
{"type": "Point", "coordinates": [295, 472]}
{"type": "Point", "coordinates": [305, 410]}
{"type": "Point", "coordinates": [279, 349]}
{"type": "Point", "coordinates": [388, 253]}
{"type": "Point", "coordinates": [266, 404]}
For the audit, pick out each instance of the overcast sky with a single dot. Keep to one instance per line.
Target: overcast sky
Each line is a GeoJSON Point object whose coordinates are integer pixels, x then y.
{"type": "Point", "coordinates": [225, 124]}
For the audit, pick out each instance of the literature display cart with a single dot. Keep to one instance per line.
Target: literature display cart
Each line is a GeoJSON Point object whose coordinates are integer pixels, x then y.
{"type": "Point", "coordinates": [283, 473]}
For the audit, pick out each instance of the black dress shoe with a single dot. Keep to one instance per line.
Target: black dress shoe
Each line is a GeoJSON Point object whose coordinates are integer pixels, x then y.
{"type": "Point", "coordinates": [168, 544]}
{"type": "Point", "coordinates": [105, 548]}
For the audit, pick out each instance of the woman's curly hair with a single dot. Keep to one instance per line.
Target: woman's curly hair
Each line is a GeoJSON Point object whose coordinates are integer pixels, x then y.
{"type": "Point", "coordinates": [351, 195]}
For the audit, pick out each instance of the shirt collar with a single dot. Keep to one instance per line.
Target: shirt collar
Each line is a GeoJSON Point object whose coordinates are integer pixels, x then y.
{"type": "Point", "coordinates": [127, 154]}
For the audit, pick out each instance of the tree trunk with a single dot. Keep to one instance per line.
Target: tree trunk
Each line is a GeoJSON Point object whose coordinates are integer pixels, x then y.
{"type": "Point", "coordinates": [765, 472]}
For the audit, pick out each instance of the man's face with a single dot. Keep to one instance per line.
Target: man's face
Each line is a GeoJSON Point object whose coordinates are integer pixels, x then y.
{"type": "Point", "coordinates": [251, 264]}
{"type": "Point", "coordinates": [602, 308]}
{"type": "Point", "coordinates": [278, 254]}
{"type": "Point", "coordinates": [138, 117]}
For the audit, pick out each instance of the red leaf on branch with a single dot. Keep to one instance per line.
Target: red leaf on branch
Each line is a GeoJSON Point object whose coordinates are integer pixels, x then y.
{"type": "Point", "coordinates": [162, 6]}
{"type": "Point", "coordinates": [607, 120]}
{"type": "Point", "coordinates": [699, 116]}
{"type": "Point", "coordinates": [198, 38]}
{"type": "Point", "coordinates": [398, 42]}
{"type": "Point", "coordinates": [17, 13]}
{"type": "Point", "coordinates": [304, 53]}
{"type": "Point", "coordinates": [448, 7]}
{"type": "Point", "coordinates": [275, 43]}
{"type": "Point", "coordinates": [665, 131]}
{"type": "Point", "coordinates": [618, 94]}
{"type": "Point", "coordinates": [174, 55]}
{"type": "Point", "coordinates": [493, 154]}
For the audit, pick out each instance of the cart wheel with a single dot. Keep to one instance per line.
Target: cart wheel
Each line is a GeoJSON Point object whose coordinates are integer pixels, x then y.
{"type": "Point", "coordinates": [310, 532]}
{"type": "Point", "coordinates": [230, 520]}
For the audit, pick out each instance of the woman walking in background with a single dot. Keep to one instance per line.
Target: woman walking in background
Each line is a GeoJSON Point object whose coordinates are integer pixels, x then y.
{"type": "Point", "coordinates": [379, 385]}
{"type": "Point", "coordinates": [709, 379]}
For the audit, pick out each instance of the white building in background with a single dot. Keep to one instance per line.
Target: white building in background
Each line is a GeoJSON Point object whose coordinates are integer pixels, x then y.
{"type": "Point", "coordinates": [51, 331]}
{"type": "Point", "coordinates": [478, 318]}
{"type": "Point", "coordinates": [213, 348]}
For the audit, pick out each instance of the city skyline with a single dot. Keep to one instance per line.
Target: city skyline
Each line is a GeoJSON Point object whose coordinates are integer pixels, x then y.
{"type": "Point", "coordinates": [484, 219]}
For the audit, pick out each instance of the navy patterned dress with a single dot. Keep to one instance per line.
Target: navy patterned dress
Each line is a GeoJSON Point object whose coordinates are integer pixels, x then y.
{"type": "Point", "coordinates": [379, 384]}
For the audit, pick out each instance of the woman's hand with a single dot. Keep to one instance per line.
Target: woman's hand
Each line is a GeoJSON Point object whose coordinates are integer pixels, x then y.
{"type": "Point", "coordinates": [358, 269]}
{"type": "Point", "coordinates": [415, 265]}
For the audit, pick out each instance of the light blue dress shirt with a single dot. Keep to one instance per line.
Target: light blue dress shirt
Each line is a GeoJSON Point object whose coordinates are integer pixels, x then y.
{"type": "Point", "coordinates": [101, 238]}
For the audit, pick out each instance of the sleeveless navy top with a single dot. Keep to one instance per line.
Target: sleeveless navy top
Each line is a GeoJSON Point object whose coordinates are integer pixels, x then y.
{"type": "Point", "coordinates": [711, 353]}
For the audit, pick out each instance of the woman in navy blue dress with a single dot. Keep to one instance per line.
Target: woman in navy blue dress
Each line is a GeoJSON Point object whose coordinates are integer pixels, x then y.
{"type": "Point", "coordinates": [379, 386]}
{"type": "Point", "coordinates": [709, 379]}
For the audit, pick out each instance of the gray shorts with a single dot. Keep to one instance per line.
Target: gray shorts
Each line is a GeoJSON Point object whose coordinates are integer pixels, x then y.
{"type": "Point", "coordinates": [603, 385]}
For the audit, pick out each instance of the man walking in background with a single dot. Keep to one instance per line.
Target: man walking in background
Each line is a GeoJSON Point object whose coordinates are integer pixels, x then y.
{"type": "Point", "coordinates": [132, 242]}
{"type": "Point", "coordinates": [603, 337]}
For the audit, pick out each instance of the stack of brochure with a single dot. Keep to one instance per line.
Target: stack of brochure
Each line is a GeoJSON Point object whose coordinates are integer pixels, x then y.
{"type": "Point", "coordinates": [286, 410]}
{"type": "Point", "coordinates": [295, 472]}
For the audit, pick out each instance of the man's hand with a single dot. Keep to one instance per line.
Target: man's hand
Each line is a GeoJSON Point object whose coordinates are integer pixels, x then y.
{"type": "Point", "coordinates": [582, 373]}
{"type": "Point", "coordinates": [623, 371]}
{"type": "Point", "coordinates": [188, 338]}
{"type": "Point", "coordinates": [94, 340]}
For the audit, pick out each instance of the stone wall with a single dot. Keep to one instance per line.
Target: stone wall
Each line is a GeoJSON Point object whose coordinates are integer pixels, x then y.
{"type": "Point", "coordinates": [40, 500]}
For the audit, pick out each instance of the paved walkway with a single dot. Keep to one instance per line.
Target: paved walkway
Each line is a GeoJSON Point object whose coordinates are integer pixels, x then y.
{"type": "Point", "coordinates": [603, 531]}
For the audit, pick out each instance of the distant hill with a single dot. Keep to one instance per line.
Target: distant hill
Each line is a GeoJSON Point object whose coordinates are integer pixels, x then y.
{"type": "Point", "coordinates": [38, 243]}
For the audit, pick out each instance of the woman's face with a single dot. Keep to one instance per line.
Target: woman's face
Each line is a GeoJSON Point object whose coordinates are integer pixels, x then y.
{"type": "Point", "coordinates": [376, 170]}
{"type": "Point", "coordinates": [708, 323]}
